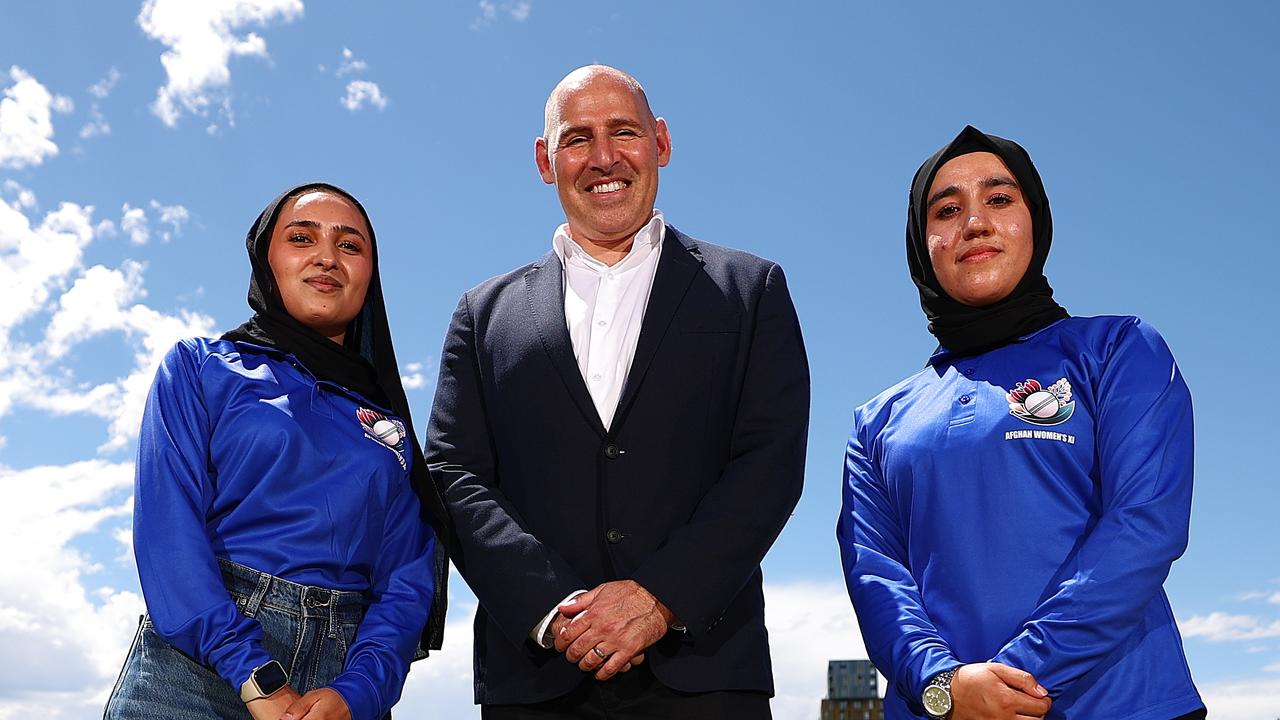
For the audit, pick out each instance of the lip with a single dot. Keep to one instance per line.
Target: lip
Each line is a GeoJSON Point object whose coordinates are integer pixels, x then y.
{"type": "Point", "coordinates": [979, 253]}
{"type": "Point", "coordinates": [626, 185]}
{"type": "Point", "coordinates": [324, 283]}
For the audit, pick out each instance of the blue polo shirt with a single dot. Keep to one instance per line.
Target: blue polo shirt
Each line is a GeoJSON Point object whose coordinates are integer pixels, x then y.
{"type": "Point", "coordinates": [1023, 506]}
{"type": "Point", "coordinates": [245, 455]}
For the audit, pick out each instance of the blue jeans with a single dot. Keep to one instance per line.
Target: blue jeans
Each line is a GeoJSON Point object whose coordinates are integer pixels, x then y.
{"type": "Point", "coordinates": [308, 629]}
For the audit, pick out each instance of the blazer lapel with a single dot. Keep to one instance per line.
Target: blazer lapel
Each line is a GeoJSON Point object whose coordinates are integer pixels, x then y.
{"type": "Point", "coordinates": [545, 285]}
{"type": "Point", "coordinates": [677, 266]}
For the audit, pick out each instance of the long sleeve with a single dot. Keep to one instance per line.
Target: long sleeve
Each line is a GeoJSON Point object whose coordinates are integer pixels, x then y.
{"type": "Point", "coordinates": [1144, 450]}
{"type": "Point", "coordinates": [901, 639]}
{"type": "Point", "coordinates": [181, 582]}
{"type": "Point", "coordinates": [705, 563]}
{"type": "Point", "coordinates": [516, 577]}
{"type": "Point", "coordinates": [403, 586]}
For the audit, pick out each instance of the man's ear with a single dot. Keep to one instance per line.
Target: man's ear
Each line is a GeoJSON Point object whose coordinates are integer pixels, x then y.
{"type": "Point", "coordinates": [542, 158]}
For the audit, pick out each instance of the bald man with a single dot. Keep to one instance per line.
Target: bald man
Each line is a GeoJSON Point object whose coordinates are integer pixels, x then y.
{"type": "Point", "coordinates": [619, 433]}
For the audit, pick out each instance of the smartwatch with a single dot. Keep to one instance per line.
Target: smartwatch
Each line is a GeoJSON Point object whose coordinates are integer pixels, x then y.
{"type": "Point", "coordinates": [936, 697]}
{"type": "Point", "coordinates": [265, 681]}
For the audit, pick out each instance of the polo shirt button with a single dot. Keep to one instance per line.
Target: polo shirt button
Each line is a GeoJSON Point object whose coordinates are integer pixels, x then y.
{"type": "Point", "coordinates": [964, 399]}
{"type": "Point", "coordinates": [968, 372]}
{"type": "Point", "coordinates": [612, 452]}
{"type": "Point", "coordinates": [614, 536]}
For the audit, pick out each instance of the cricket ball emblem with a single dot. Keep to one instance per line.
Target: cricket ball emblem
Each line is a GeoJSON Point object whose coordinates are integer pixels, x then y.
{"type": "Point", "coordinates": [386, 431]}
{"type": "Point", "coordinates": [1030, 402]}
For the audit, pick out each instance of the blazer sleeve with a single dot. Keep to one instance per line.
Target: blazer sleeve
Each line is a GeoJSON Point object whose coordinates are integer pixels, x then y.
{"type": "Point", "coordinates": [1144, 448]}
{"type": "Point", "coordinates": [181, 582]}
{"type": "Point", "coordinates": [901, 638]}
{"type": "Point", "coordinates": [516, 578]}
{"type": "Point", "coordinates": [707, 561]}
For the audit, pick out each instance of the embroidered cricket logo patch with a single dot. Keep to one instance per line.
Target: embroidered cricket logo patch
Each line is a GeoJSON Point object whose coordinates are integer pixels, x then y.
{"type": "Point", "coordinates": [1030, 402]}
{"type": "Point", "coordinates": [387, 432]}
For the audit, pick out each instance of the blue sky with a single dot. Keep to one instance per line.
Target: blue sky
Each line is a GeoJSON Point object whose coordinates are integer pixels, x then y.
{"type": "Point", "coordinates": [128, 184]}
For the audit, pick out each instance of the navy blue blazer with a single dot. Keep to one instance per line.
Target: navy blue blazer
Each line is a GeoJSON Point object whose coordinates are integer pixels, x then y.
{"type": "Point", "coordinates": [684, 494]}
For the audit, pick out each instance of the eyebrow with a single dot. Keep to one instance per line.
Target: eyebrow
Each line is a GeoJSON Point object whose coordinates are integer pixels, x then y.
{"type": "Point", "coordinates": [613, 122]}
{"type": "Point", "coordinates": [344, 229]}
{"type": "Point", "coordinates": [994, 181]}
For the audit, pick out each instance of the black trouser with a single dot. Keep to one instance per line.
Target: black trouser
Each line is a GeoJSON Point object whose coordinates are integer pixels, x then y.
{"type": "Point", "coordinates": [1197, 715]}
{"type": "Point", "coordinates": [637, 695]}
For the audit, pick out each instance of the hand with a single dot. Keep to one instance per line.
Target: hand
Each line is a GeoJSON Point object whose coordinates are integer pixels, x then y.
{"type": "Point", "coordinates": [271, 708]}
{"type": "Point", "coordinates": [319, 704]}
{"type": "Point", "coordinates": [992, 691]}
{"type": "Point", "coordinates": [563, 637]}
{"type": "Point", "coordinates": [620, 618]}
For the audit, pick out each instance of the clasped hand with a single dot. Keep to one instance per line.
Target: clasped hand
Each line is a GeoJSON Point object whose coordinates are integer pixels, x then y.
{"type": "Point", "coordinates": [287, 704]}
{"type": "Point", "coordinates": [620, 619]}
{"type": "Point", "coordinates": [992, 691]}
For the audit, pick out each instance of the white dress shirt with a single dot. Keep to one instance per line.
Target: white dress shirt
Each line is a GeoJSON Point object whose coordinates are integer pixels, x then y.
{"type": "Point", "coordinates": [604, 309]}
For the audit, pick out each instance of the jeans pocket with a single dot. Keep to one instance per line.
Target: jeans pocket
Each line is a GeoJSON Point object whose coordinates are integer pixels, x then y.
{"type": "Point", "coordinates": [128, 659]}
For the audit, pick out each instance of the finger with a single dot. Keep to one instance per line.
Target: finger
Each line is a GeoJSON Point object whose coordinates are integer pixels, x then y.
{"type": "Point", "coordinates": [571, 631]}
{"type": "Point", "coordinates": [579, 603]}
{"type": "Point", "coordinates": [301, 706]}
{"type": "Point", "coordinates": [1019, 680]}
{"type": "Point", "coordinates": [581, 647]}
{"type": "Point", "coordinates": [612, 666]}
{"type": "Point", "coordinates": [592, 660]}
{"type": "Point", "coordinates": [638, 659]}
{"type": "Point", "coordinates": [1025, 704]}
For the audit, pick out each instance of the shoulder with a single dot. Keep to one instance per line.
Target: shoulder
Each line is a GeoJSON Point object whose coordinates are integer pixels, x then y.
{"type": "Point", "coordinates": [873, 415]}
{"type": "Point", "coordinates": [498, 283]}
{"type": "Point", "coordinates": [716, 257]}
{"type": "Point", "coordinates": [1104, 336]}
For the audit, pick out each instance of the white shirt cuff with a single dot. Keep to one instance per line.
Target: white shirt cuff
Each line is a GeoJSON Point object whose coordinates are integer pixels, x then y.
{"type": "Point", "coordinates": [539, 634]}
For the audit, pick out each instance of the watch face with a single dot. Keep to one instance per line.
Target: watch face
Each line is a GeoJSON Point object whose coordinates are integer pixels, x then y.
{"type": "Point", "coordinates": [937, 702]}
{"type": "Point", "coordinates": [270, 677]}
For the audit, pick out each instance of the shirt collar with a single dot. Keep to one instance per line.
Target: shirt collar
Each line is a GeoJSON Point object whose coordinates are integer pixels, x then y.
{"type": "Point", "coordinates": [651, 234]}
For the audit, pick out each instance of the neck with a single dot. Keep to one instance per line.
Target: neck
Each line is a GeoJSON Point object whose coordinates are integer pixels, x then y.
{"type": "Point", "coordinates": [609, 251]}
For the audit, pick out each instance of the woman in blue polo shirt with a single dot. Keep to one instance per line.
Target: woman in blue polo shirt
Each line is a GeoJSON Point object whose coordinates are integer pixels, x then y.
{"type": "Point", "coordinates": [1011, 511]}
{"type": "Point", "coordinates": [277, 529]}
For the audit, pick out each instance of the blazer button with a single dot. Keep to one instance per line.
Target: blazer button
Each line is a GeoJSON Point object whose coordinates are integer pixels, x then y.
{"type": "Point", "coordinates": [612, 452]}
{"type": "Point", "coordinates": [614, 536]}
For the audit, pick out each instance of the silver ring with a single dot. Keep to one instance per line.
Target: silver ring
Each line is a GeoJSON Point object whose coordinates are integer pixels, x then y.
{"type": "Point", "coordinates": [598, 652]}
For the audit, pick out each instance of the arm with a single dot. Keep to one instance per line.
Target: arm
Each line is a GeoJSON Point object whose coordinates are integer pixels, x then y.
{"type": "Point", "coordinates": [403, 586]}
{"type": "Point", "coordinates": [181, 581]}
{"type": "Point", "coordinates": [900, 637]}
{"type": "Point", "coordinates": [516, 577]}
{"type": "Point", "coordinates": [1144, 450]}
{"type": "Point", "coordinates": [706, 562]}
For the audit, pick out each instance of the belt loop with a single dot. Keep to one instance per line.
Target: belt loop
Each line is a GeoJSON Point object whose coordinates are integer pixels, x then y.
{"type": "Point", "coordinates": [254, 603]}
{"type": "Point", "coordinates": [333, 616]}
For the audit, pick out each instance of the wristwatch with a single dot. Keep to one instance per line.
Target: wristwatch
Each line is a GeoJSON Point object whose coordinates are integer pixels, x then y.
{"type": "Point", "coordinates": [265, 681]}
{"type": "Point", "coordinates": [937, 695]}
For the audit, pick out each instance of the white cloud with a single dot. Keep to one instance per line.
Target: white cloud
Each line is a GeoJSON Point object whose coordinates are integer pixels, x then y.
{"type": "Point", "coordinates": [415, 378]}
{"type": "Point", "coordinates": [1242, 700]}
{"type": "Point", "coordinates": [23, 197]}
{"type": "Point", "coordinates": [134, 222]}
{"type": "Point", "coordinates": [1223, 627]}
{"type": "Point", "coordinates": [175, 216]}
{"type": "Point", "coordinates": [37, 262]}
{"type": "Point", "coordinates": [201, 39]}
{"type": "Point", "coordinates": [61, 630]}
{"type": "Point", "coordinates": [26, 127]}
{"type": "Point", "coordinates": [350, 64]}
{"type": "Point", "coordinates": [362, 92]}
{"type": "Point", "coordinates": [1269, 596]}
{"type": "Point", "coordinates": [62, 104]}
{"type": "Point", "coordinates": [103, 87]}
{"type": "Point", "coordinates": [97, 124]}
{"type": "Point", "coordinates": [491, 11]}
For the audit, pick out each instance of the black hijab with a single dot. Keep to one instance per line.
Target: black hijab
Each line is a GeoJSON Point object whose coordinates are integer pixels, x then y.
{"type": "Point", "coordinates": [364, 363]}
{"type": "Point", "coordinates": [961, 328]}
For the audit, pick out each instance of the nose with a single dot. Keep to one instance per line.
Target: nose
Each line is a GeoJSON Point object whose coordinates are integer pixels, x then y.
{"type": "Point", "coordinates": [604, 154]}
{"type": "Point", "coordinates": [326, 255]}
{"type": "Point", "coordinates": [976, 225]}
